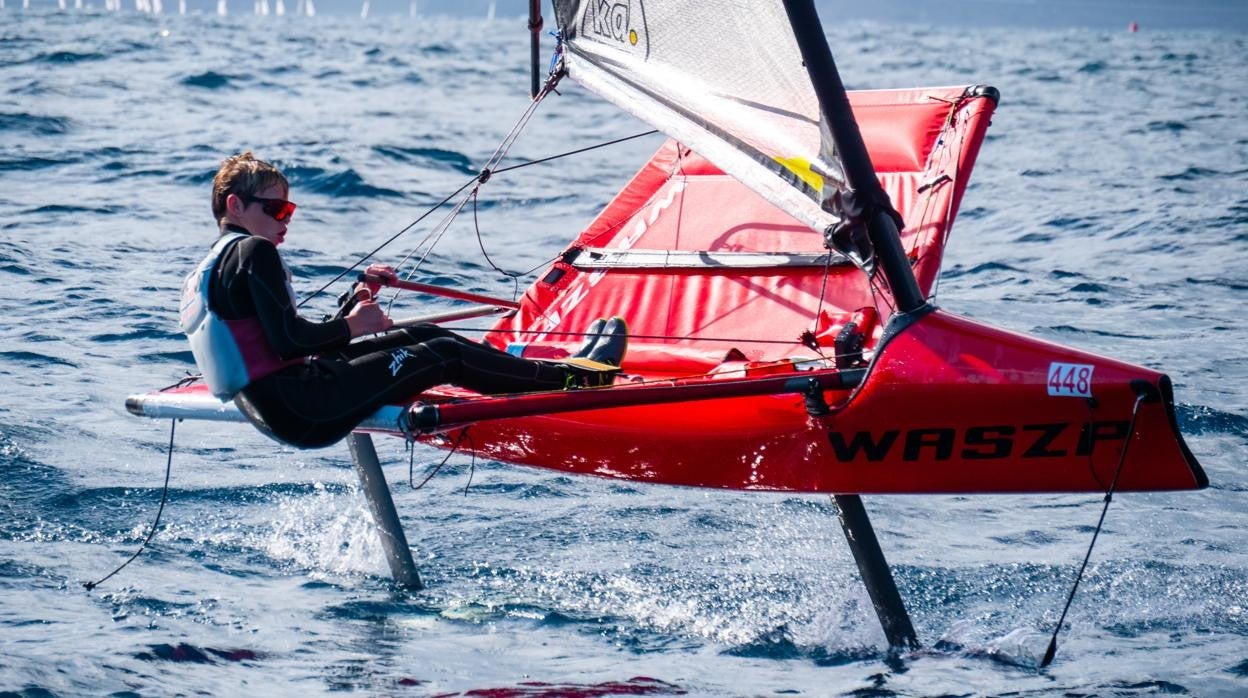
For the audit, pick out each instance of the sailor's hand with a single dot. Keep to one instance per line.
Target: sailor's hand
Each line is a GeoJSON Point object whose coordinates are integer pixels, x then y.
{"type": "Point", "coordinates": [367, 318]}
{"type": "Point", "coordinates": [384, 274]}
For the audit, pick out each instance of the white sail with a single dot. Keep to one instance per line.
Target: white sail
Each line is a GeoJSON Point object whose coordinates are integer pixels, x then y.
{"type": "Point", "coordinates": [724, 77]}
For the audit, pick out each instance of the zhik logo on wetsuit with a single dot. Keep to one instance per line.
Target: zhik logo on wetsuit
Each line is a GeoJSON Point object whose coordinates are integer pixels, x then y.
{"type": "Point", "coordinates": [397, 357]}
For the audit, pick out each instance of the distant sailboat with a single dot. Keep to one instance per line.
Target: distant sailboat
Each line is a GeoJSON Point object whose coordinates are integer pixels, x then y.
{"type": "Point", "coordinates": [309, 9]}
{"type": "Point", "coordinates": [279, 8]}
{"type": "Point", "coordinates": [489, 14]}
{"type": "Point", "coordinates": [412, 10]}
{"type": "Point", "coordinates": [364, 10]}
{"type": "Point", "coordinates": [222, 9]}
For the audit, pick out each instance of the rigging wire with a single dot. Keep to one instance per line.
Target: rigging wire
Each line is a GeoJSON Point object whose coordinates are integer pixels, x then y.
{"type": "Point", "coordinates": [383, 245]}
{"type": "Point", "coordinates": [164, 496]}
{"type": "Point", "coordinates": [578, 151]}
{"type": "Point", "coordinates": [492, 162]}
{"type": "Point", "coordinates": [573, 333]}
{"type": "Point", "coordinates": [476, 226]}
{"type": "Point", "coordinates": [1109, 496]}
{"type": "Point", "coordinates": [479, 179]}
{"type": "Point", "coordinates": [810, 334]}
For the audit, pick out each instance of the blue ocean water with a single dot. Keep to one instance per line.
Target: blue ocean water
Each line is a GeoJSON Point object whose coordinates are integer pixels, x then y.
{"type": "Point", "coordinates": [1109, 211]}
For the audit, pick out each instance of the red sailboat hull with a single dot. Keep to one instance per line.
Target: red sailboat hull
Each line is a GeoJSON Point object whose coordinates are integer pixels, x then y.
{"type": "Point", "coordinates": [949, 406]}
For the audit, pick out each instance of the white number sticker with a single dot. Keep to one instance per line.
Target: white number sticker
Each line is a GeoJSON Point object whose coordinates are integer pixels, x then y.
{"type": "Point", "coordinates": [1070, 379]}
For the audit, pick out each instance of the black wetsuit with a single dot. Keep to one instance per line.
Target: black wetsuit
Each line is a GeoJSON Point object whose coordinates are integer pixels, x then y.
{"type": "Point", "coordinates": [317, 402]}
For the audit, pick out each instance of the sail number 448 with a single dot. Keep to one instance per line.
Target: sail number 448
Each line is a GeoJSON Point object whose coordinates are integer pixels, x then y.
{"type": "Point", "coordinates": [1070, 379]}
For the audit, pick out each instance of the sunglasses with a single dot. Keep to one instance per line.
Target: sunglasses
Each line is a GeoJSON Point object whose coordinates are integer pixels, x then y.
{"type": "Point", "coordinates": [279, 210]}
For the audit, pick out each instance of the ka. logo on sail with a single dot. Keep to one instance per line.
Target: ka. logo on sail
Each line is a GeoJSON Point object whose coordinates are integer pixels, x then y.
{"type": "Point", "coordinates": [616, 20]}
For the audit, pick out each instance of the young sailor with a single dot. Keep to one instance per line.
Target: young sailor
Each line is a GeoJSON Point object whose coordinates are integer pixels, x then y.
{"type": "Point", "coordinates": [307, 383]}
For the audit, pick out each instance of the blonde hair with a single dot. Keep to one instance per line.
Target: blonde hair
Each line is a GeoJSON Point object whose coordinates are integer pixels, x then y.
{"type": "Point", "coordinates": [243, 175]}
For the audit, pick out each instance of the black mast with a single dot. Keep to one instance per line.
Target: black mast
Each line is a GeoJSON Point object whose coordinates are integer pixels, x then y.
{"type": "Point", "coordinates": [867, 195]}
{"type": "Point", "coordinates": [871, 203]}
{"type": "Point", "coordinates": [535, 45]}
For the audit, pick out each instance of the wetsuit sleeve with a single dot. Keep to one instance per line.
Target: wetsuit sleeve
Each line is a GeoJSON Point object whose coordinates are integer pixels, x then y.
{"type": "Point", "coordinates": [290, 335]}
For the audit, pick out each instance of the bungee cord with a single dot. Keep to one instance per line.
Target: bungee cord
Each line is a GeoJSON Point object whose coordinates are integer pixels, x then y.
{"type": "Point", "coordinates": [1141, 397]}
{"type": "Point", "coordinates": [164, 496]}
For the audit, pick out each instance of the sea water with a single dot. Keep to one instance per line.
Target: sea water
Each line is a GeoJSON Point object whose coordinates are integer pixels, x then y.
{"type": "Point", "coordinates": [1109, 211]}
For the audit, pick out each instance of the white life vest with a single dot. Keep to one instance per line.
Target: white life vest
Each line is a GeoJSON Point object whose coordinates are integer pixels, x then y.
{"type": "Point", "coordinates": [230, 353]}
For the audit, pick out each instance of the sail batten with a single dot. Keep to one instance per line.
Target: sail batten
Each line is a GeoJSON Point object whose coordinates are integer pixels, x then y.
{"type": "Point", "coordinates": [724, 77]}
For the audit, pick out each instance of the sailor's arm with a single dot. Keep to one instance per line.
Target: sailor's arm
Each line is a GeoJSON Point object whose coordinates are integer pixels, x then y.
{"type": "Point", "coordinates": [290, 335]}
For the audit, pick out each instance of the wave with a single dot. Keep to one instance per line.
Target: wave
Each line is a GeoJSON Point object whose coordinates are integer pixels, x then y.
{"type": "Point", "coordinates": [342, 183]}
{"type": "Point", "coordinates": [183, 652]}
{"type": "Point", "coordinates": [436, 157]}
{"type": "Point", "coordinates": [35, 124]}
{"type": "Point", "coordinates": [65, 57]}
{"type": "Point", "coordinates": [32, 163]}
{"type": "Point", "coordinates": [1199, 419]}
{"type": "Point", "coordinates": [34, 359]}
{"type": "Point", "coordinates": [65, 208]}
{"type": "Point", "coordinates": [1190, 174]}
{"type": "Point", "coordinates": [211, 80]}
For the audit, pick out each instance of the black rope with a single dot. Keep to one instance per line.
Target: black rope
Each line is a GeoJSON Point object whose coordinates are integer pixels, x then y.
{"type": "Point", "coordinates": [472, 464]}
{"type": "Point", "coordinates": [575, 152]}
{"type": "Point", "coordinates": [1109, 496]}
{"type": "Point", "coordinates": [164, 496]}
{"type": "Point", "coordinates": [184, 381]}
{"type": "Point", "coordinates": [515, 278]}
{"type": "Point", "coordinates": [411, 463]}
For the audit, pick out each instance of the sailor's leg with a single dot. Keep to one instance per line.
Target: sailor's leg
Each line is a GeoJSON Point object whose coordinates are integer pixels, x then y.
{"type": "Point", "coordinates": [412, 369]}
{"type": "Point", "coordinates": [398, 338]}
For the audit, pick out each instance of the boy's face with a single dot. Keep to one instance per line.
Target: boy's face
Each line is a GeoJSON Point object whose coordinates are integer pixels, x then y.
{"type": "Point", "coordinates": [248, 213]}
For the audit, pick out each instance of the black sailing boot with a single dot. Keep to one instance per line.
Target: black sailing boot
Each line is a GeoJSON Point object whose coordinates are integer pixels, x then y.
{"type": "Point", "coordinates": [592, 334]}
{"type": "Point", "coordinates": [602, 364]}
{"type": "Point", "coordinates": [613, 345]}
